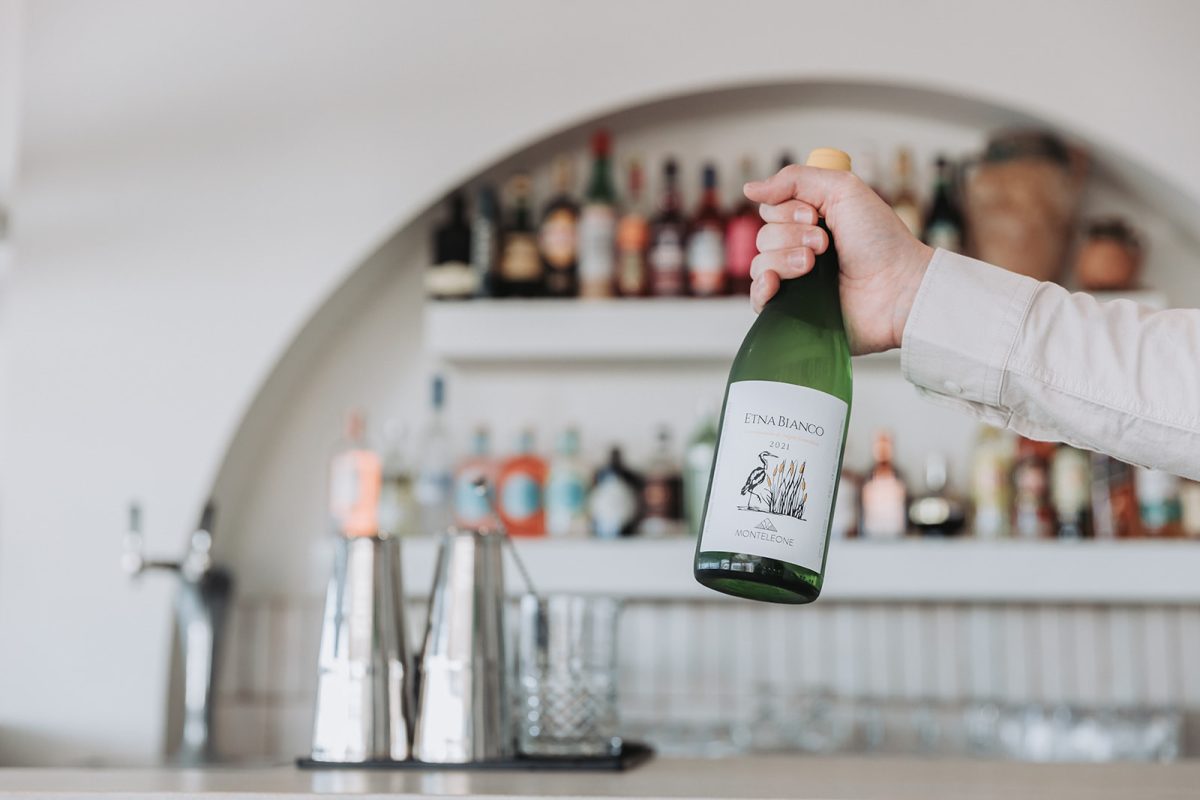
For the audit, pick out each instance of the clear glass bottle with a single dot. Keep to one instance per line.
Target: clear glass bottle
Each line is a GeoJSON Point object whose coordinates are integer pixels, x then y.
{"type": "Point", "coordinates": [473, 510]}
{"type": "Point", "coordinates": [435, 465]}
{"type": "Point", "coordinates": [566, 489]}
{"type": "Point", "coordinates": [398, 512]}
{"type": "Point", "coordinates": [991, 488]}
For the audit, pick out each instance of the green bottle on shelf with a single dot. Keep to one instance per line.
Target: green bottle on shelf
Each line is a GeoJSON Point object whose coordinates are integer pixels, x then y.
{"type": "Point", "coordinates": [782, 436]}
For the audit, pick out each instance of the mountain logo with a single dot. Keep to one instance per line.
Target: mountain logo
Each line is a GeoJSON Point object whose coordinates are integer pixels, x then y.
{"type": "Point", "coordinates": [766, 525]}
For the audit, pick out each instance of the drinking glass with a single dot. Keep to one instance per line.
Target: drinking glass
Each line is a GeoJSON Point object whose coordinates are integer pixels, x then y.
{"type": "Point", "coordinates": [567, 675]}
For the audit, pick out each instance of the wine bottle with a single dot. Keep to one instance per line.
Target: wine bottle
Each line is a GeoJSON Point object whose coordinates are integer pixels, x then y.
{"type": "Point", "coordinates": [706, 241]}
{"type": "Point", "coordinates": [451, 276]}
{"type": "Point", "coordinates": [944, 223]}
{"type": "Point", "coordinates": [557, 236]}
{"type": "Point", "coordinates": [1070, 491]}
{"type": "Point", "coordinates": [1032, 514]}
{"type": "Point", "coordinates": [781, 440]}
{"type": "Point", "coordinates": [598, 225]}
{"type": "Point", "coordinates": [633, 236]}
{"type": "Point", "coordinates": [741, 238]}
{"type": "Point", "coordinates": [667, 234]}
{"type": "Point", "coordinates": [520, 266]}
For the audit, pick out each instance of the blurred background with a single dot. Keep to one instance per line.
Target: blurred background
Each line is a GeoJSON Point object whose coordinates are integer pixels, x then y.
{"type": "Point", "coordinates": [226, 226]}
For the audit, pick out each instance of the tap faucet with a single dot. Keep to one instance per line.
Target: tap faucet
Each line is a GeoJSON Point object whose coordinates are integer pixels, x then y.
{"type": "Point", "coordinates": [200, 608]}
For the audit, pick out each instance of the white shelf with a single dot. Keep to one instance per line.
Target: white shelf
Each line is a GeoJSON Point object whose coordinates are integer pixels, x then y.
{"type": "Point", "coordinates": [640, 329]}
{"type": "Point", "coordinates": [594, 330]}
{"type": "Point", "coordinates": [913, 570]}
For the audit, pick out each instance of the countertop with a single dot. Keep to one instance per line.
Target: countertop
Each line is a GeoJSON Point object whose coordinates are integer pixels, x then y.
{"type": "Point", "coordinates": [752, 778]}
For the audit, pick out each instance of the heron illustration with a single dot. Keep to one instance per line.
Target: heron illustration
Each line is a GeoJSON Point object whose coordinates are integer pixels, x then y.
{"type": "Point", "coordinates": [755, 479]}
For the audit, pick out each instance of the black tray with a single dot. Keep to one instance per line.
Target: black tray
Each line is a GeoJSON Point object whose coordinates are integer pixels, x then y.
{"type": "Point", "coordinates": [631, 754]}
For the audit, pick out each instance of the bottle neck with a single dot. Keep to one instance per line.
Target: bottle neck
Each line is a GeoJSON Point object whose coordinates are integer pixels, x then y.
{"type": "Point", "coordinates": [600, 188]}
{"type": "Point", "coordinates": [813, 296]}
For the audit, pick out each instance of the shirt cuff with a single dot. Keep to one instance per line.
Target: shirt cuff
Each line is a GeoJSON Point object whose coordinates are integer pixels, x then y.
{"type": "Point", "coordinates": [962, 328]}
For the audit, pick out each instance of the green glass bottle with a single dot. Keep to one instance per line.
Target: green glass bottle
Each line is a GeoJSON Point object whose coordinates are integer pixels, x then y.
{"type": "Point", "coordinates": [782, 437]}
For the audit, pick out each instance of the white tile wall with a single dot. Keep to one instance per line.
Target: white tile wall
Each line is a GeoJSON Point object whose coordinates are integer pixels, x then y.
{"type": "Point", "coordinates": [698, 663]}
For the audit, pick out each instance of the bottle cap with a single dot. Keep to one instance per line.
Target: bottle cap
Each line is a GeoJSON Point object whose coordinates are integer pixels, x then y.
{"type": "Point", "coordinates": [829, 158]}
{"type": "Point", "coordinates": [601, 143]}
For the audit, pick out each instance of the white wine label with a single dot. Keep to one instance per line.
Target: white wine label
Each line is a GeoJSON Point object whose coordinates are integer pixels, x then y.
{"type": "Point", "coordinates": [777, 468]}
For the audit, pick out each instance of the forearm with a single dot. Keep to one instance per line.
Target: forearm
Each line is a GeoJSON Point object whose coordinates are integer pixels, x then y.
{"type": "Point", "coordinates": [1051, 365]}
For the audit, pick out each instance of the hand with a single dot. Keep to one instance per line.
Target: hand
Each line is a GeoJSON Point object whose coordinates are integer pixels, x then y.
{"type": "Point", "coordinates": [881, 262]}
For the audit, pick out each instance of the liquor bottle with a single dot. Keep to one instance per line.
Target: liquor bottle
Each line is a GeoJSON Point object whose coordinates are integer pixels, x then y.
{"type": "Point", "coordinates": [398, 512]}
{"type": "Point", "coordinates": [1189, 508]}
{"type": "Point", "coordinates": [991, 468]}
{"type": "Point", "coordinates": [662, 491]}
{"type": "Point", "coordinates": [667, 235]}
{"type": "Point", "coordinates": [868, 169]}
{"type": "Point", "coordinates": [944, 223]}
{"type": "Point", "coordinates": [781, 441]}
{"type": "Point", "coordinates": [451, 276]}
{"type": "Point", "coordinates": [1114, 499]}
{"type": "Point", "coordinates": [904, 199]}
{"type": "Point", "coordinates": [741, 238]}
{"type": "Point", "coordinates": [566, 489]}
{"type": "Point", "coordinates": [937, 511]}
{"type": "Point", "coordinates": [520, 266]}
{"type": "Point", "coordinates": [485, 241]}
{"type": "Point", "coordinates": [614, 503]}
{"type": "Point", "coordinates": [1158, 502]}
{"type": "Point", "coordinates": [598, 225]}
{"type": "Point", "coordinates": [884, 497]}
{"type": "Point", "coordinates": [846, 507]}
{"type": "Point", "coordinates": [1070, 492]}
{"type": "Point", "coordinates": [1033, 516]}
{"type": "Point", "coordinates": [558, 236]}
{"type": "Point", "coordinates": [435, 466]}
{"type": "Point", "coordinates": [355, 474]}
{"type": "Point", "coordinates": [633, 237]}
{"type": "Point", "coordinates": [472, 509]}
{"type": "Point", "coordinates": [697, 468]}
{"type": "Point", "coordinates": [705, 257]}
{"type": "Point", "coordinates": [519, 483]}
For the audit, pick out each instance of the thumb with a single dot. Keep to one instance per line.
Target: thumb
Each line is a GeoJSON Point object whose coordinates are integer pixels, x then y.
{"type": "Point", "coordinates": [813, 185]}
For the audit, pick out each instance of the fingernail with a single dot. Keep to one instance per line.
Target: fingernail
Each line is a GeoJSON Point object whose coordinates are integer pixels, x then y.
{"type": "Point", "coordinates": [811, 239]}
{"type": "Point", "coordinates": [796, 258]}
{"type": "Point", "coordinates": [801, 216]}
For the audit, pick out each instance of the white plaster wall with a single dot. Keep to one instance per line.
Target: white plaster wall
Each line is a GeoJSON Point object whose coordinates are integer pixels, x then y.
{"type": "Point", "coordinates": [196, 178]}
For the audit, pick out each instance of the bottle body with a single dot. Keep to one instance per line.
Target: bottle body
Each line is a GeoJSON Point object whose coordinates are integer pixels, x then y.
{"type": "Point", "coordinates": [519, 498]}
{"type": "Point", "coordinates": [662, 491]}
{"type": "Point", "coordinates": [435, 470]}
{"type": "Point", "coordinates": [472, 510]}
{"type": "Point", "coordinates": [706, 242]}
{"type": "Point", "coordinates": [598, 226]}
{"type": "Point", "coordinates": [884, 496]}
{"type": "Point", "coordinates": [633, 236]}
{"type": "Point", "coordinates": [666, 256]}
{"type": "Point", "coordinates": [451, 276]}
{"type": "Point", "coordinates": [741, 239]}
{"type": "Point", "coordinates": [697, 468]}
{"type": "Point", "coordinates": [520, 265]}
{"type": "Point", "coordinates": [615, 501]}
{"type": "Point", "coordinates": [566, 489]}
{"type": "Point", "coordinates": [558, 237]}
{"type": "Point", "coordinates": [780, 445]}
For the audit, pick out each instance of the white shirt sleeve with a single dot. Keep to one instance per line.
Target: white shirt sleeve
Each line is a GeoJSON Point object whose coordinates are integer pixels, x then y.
{"type": "Point", "coordinates": [1113, 377]}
